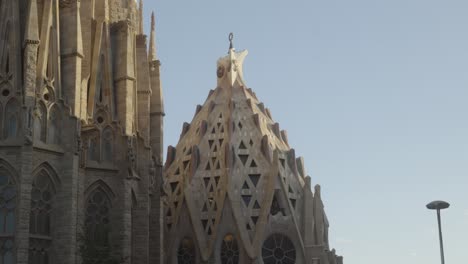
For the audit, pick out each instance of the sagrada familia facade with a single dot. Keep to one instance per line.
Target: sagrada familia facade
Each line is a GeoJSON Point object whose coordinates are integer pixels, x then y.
{"type": "Point", "coordinates": [81, 152]}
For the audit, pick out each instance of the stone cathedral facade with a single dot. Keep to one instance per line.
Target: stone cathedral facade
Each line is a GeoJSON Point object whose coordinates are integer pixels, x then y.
{"type": "Point", "coordinates": [81, 152]}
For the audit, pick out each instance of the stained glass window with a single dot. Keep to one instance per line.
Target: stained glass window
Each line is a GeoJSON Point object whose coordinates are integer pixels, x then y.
{"type": "Point", "coordinates": [229, 250]}
{"type": "Point", "coordinates": [42, 196]}
{"type": "Point", "coordinates": [278, 249]}
{"type": "Point", "coordinates": [186, 252]}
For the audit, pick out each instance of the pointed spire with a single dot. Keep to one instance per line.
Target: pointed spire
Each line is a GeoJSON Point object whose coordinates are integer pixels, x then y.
{"type": "Point", "coordinates": [32, 30]}
{"type": "Point", "coordinates": [152, 46]}
{"type": "Point", "coordinates": [141, 17]}
{"type": "Point", "coordinates": [230, 66]}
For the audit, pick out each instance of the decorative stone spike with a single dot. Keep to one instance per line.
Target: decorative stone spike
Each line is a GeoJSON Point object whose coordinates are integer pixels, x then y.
{"type": "Point", "coordinates": [300, 166]}
{"type": "Point", "coordinates": [256, 119]}
{"type": "Point", "coordinates": [210, 93]}
{"type": "Point", "coordinates": [284, 136]}
{"type": "Point", "coordinates": [261, 106]}
{"type": "Point", "coordinates": [308, 182]}
{"type": "Point", "coordinates": [212, 106]}
{"type": "Point", "coordinates": [250, 104]}
{"type": "Point", "coordinates": [199, 108]}
{"type": "Point", "coordinates": [203, 128]}
{"type": "Point", "coordinates": [185, 129]}
{"type": "Point", "coordinates": [292, 160]}
{"type": "Point", "coordinates": [276, 130]}
{"type": "Point", "coordinates": [268, 113]}
{"type": "Point", "coordinates": [252, 93]}
{"type": "Point", "coordinates": [195, 160]}
{"type": "Point", "coordinates": [171, 152]}
{"type": "Point", "coordinates": [265, 148]}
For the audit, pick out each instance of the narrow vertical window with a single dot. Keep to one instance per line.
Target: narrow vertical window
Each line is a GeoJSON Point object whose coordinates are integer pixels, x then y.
{"type": "Point", "coordinates": [40, 222]}
{"type": "Point", "coordinates": [12, 119]}
{"type": "Point", "coordinates": [7, 217]}
{"type": "Point", "coordinates": [93, 147]}
{"type": "Point", "coordinates": [107, 144]}
{"type": "Point", "coordinates": [53, 127]}
{"type": "Point", "coordinates": [40, 123]}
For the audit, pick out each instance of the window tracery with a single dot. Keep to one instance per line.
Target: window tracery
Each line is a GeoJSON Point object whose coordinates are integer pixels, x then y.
{"type": "Point", "coordinates": [93, 147]}
{"type": "Point", "coordinates": [229, 250]}
{"type": "Point", "coordinates": [278, 249]}
{"type": "Point", "coordinates": [98, 217]}
{"type": "Point", "coordinates": [40, 122]}
{"type": "Point", "coordinates": [107, 144]}
{"type": "Point", "coordinates": [42, 196]}
{"type": "Point", "coordinates": [7, 217]}
{"type": "Point", "coordinates": [53, 130]}
{"type": "Point", "coordinates": [12, 119]}
{"type": "Point", "coordinates": [186, 252]}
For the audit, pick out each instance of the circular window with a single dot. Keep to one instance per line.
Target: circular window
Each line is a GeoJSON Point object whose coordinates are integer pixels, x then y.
{"type": "Point", "coordinates": [229, 250]}
{"type": "Point", "coordinates": [278, 249]}
{"type": "Point", "coordinates": [46, 96]}
{"type": "Point", "coordinates": [6, 92]}
{"type": "Point", "coordinates": [100, 119]}
{"type": "Point", "coordinates": [186, 252]}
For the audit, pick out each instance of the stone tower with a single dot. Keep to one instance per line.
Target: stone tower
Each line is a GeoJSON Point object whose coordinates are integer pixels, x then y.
{"type": "Point", "coordinates": [81, 116]}
{"type": "Point", "coordinates": [234, 191]}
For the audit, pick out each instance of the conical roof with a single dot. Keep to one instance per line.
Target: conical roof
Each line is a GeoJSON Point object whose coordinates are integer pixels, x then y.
{"type": "Point", "coordinates": [232, 152]}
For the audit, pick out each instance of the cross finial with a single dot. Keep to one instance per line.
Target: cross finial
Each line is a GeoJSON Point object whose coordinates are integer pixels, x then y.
{"type": "Point", "coordinates": [231, 37]}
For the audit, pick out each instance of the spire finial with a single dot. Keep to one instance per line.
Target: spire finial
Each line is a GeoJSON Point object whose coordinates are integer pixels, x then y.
{"type": "Point", "coordinates": [152, 47]}
{"type": "Point", "coordinates": [231, 37]}
{"type": "Point", "coordinates": [141, 16]}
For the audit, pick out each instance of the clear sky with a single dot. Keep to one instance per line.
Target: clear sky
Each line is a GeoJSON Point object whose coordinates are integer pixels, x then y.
{"type": "Point", "coordinates": [373, 94]}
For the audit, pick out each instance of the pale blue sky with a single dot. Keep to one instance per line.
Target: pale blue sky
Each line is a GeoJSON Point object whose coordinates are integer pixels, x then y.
{"type": "Point", "coordinates": [373, 94]}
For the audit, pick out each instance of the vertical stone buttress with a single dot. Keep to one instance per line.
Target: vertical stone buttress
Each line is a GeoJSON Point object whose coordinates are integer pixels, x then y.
{"type": "Point", "coordinates": [71, 55]}
{"type": "Point", "coordinates": [140, 218]}
{"type": "Point", "coordinates": [9, 11]}
{"type": "Point", "coordinates": [144, 89]}
{"type": "Point", "coordinates": [124, 69]}
{"type": "Point", "coordinates": [156, 143]}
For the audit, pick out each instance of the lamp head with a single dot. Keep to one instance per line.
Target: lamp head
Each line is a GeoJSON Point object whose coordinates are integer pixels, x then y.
{"type": "Point", "coordinates": [437, 205]}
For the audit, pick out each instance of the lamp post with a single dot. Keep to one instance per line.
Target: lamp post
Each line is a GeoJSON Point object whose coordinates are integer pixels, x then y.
{"type": "Point", "coordinates": [439, 205]}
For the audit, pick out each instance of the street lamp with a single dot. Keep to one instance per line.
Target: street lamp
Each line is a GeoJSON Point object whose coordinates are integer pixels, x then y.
{"type": "Point", "coordinates": [439, 205]}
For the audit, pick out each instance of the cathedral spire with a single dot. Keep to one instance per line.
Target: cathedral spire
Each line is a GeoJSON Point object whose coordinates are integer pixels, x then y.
{"type": "Point", "coordinates": [152, 46]}
{"type": "Point", "coordinates": [140, 14]}
{"type": "Point", "coordinates": [230, 67]}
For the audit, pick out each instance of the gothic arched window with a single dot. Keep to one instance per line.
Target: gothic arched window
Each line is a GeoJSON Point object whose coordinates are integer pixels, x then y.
{"type": "Point", "coordinates": [53, 130]}
{"type": "Point", "coordinates": [40, 122]}
{"type": "Point", "coordinates": [97, 217]}
{"type": "Point", "coordinates": [93, 147]}
{"type": "Point", "coordinates": [186, 252]}
{"type": "Point", "coordinates": [12, 119]}
{"type": "Point", "coordinates": [278, 249]}
{"type": "Point", "coordinates": [42, 196]}
{"type": "Point", "coordinates": [107, 144]}
{"type": "Point", "coordinates": [7, 217]}
{"type": "Point", "coordinates": [229, 250]}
